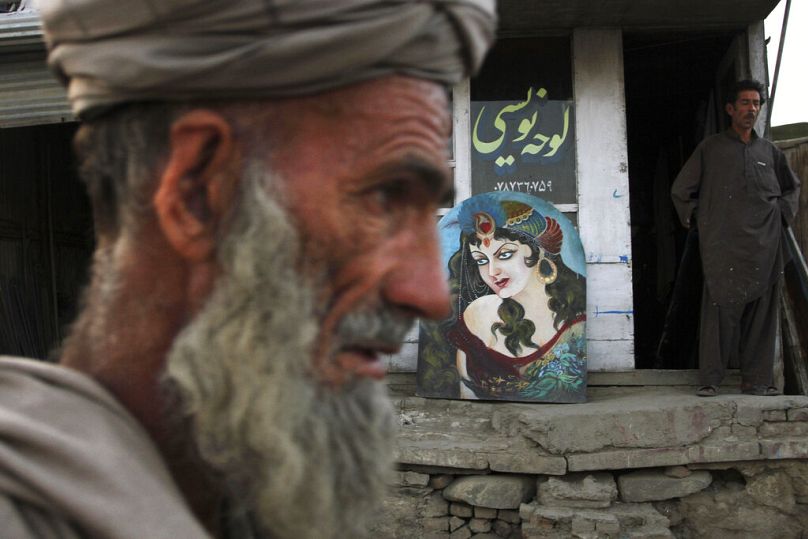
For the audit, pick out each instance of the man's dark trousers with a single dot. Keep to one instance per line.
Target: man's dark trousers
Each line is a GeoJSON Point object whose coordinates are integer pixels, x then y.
{"type": "Point", "coordinates": [748, 330]}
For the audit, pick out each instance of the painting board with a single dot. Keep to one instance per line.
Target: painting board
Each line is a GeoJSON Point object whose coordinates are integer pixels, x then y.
{"type": "Point", "coordinates": [517, 332]}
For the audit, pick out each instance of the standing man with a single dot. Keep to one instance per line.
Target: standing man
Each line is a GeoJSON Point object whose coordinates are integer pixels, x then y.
{"type": "Point", "coordinates": [738, 189]}
{"type": "Point", "coordinates": [264, 179]}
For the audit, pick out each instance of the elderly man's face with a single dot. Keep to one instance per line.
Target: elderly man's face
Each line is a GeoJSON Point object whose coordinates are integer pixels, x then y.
{"type": "Point", "coordinates": [331, 255]}
{"type": "Point", "coordinates": [363, 170]}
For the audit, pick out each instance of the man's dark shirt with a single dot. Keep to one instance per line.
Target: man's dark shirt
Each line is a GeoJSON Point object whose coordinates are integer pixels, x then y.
{"type": "Point", "coordinates": [740, 195]}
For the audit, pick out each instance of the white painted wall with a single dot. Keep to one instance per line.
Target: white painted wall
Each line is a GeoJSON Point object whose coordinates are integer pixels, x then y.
{"type": "Point", "coordinates": [603, 197]}
{"type": "Point", "coordinates": [461, 114]}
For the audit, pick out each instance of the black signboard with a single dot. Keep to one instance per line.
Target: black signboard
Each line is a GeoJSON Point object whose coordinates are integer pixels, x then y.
{"type": "Point", "coordinates": [526, 146]}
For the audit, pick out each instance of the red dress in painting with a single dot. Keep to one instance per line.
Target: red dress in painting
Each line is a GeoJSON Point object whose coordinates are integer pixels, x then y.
{"type": "Point", "coordinates": [493, 374]}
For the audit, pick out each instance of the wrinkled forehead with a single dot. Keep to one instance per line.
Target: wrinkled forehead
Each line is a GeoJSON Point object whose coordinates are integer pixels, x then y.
{"type": "Point", "coordinates": [375, 101]}
{"type": "Point", "coordinates": [364, 129]}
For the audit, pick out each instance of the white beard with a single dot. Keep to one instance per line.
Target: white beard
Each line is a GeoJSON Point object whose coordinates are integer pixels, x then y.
{"type": "Point", "coordinates": [299, 459]}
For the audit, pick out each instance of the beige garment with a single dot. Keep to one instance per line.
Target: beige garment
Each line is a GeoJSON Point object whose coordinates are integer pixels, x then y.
{"type": "Point", "coordinates": [74, 463]}
{"type": "Point", "coordinates": [109, 52]}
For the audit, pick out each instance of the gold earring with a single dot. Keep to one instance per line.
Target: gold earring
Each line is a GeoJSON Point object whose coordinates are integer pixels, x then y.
{"type": "Point", "coordinates": [548, 279]}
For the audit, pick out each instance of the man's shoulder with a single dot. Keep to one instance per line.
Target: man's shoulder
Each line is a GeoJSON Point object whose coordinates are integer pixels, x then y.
{"type": "Point", "coordinates": [25, 521]}
{"type": "Point", "coordinates": [67, 447]}
{"type": "Point", "coordinates": [45, 372]}
{"type": "Point", "coordinates": [716, 140]}
{"type": "Point", "coordinates": [53, 415]}
{"type": "Point", "coordinates": [26, 384]}
{"type": "Point", "coordinates": [768, 145]}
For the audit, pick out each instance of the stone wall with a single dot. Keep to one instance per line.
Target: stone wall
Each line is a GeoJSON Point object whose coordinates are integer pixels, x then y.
{"type": "Point", "coordinates": [754, 500]}
{"type": "Point", "coordinates": [630, 463]}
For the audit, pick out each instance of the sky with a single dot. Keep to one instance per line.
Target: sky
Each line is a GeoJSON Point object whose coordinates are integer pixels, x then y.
{"type": "Point", "coordinates": [791, 95]}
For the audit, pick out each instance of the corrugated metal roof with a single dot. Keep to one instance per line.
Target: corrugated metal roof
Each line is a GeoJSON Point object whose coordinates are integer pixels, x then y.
{"type": "Point", "coordinates": [29, 93]}
{"type": "Point", "coordinates": [20, 29]}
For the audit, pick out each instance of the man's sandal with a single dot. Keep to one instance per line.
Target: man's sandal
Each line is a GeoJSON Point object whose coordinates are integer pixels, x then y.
{"type": "Point", "coordinates": [707, 391]}
{"type": "Point", "coordinates": [761, 391]}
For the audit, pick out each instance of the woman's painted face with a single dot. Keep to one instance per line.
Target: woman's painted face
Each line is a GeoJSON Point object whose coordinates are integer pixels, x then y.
{"type": "Point", "coordinates": [502, 266]}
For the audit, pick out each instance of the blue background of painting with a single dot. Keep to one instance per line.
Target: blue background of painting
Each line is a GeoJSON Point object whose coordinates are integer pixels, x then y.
{"type": "Point", "coordinates": [572, 250]}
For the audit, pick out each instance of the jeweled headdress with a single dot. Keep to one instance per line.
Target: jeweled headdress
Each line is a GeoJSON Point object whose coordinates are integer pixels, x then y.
{"type": "Point", "coordinates": [482, 218]}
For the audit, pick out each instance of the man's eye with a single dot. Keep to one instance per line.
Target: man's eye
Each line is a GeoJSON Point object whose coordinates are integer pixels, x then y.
{"type": "Point", "coordinates": [388, 194]}
{"type": "Point", "coordinates": [505, 255]}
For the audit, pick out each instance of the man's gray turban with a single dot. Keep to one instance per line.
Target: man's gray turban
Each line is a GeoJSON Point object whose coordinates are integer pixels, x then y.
{"type": "Point", "coordinates": [111, 51]}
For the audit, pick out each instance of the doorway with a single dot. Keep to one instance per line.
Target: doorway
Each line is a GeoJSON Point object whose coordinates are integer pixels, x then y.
{"type": "Point", "coordinates": [671, 105]}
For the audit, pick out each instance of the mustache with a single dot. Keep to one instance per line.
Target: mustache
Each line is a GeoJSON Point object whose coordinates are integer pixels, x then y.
{"type": "Point", "coordinates": [384, 328]}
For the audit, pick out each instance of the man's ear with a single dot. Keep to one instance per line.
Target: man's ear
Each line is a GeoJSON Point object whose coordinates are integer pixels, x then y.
{"type": "Point", "coordinates": [197, 186]}
{"type": "Point", "coordinates": [729, 108]}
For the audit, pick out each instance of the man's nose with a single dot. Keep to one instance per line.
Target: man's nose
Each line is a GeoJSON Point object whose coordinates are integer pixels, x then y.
{"type": "Point", "coordinates": [417, 282]}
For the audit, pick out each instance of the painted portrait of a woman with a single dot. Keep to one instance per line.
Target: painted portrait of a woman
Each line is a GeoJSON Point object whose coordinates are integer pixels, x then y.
{"type": "Point", "coordinates": [517, 331]}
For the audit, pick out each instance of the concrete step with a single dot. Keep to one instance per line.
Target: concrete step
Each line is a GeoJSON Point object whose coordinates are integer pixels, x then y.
{"type": "Point", "coordinates": [619, 428]}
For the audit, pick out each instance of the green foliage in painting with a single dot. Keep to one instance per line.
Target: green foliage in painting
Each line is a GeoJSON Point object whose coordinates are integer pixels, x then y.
{"type": "Point", "coordinates": [562, 375]}
{"type": "Point", "coordinates": [437, 375]}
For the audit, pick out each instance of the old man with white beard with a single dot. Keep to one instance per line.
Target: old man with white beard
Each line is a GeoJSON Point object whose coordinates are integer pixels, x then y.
{"type": "Point", "coordinates": [264, 179]}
